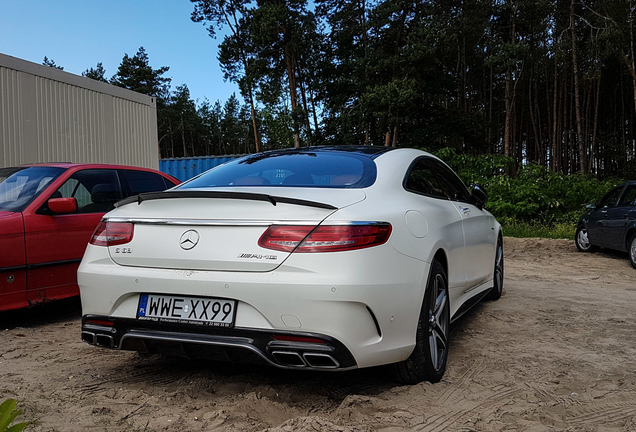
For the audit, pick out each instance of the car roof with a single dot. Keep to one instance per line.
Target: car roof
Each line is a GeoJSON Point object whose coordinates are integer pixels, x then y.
{"type": "Point", "coordinates": [73, 167]}
{"type": "Point", "coordinates": [83, 165]}
{"type": "Point", "coordinates": [369, 151]}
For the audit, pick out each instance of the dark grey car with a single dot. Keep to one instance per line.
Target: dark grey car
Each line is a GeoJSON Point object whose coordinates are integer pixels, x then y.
{"type": "Point", "coordinates": [611, 223]}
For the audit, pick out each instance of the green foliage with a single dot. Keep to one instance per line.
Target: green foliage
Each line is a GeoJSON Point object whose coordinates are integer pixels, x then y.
{"type": "Point", "coordinates": [513, 228]}
{"type": "Point", "coordinates": [536, 194]}
{"type": "Point", "coordinates": [535, 202]}
{"type": "Point", "coordinates": [135, 73]}
{"type": "Point", "coordinates": [475, 169]}
{"type": "Point", "coordinates": [98, 73]}
{"type": "Point", "coordinates": [8, 413]}
{"type": "Point", "coordinates": [51, 63]}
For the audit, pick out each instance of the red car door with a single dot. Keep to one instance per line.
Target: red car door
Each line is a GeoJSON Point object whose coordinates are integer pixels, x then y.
{"type": "Point", "coordinates": [12, 262]}
{"type": "Point", "coordinates": [55, 243]}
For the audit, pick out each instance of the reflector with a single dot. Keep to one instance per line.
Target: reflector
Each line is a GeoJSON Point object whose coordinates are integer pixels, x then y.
{"type": "Point", "coordinates": [298, 339]}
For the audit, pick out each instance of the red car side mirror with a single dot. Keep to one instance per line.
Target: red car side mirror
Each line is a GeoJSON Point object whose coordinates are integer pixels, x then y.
{"type": "Point", "coordinates": [62, 205]}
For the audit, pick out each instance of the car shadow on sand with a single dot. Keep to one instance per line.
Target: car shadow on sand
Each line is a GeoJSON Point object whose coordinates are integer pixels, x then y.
{"type": "Point", "coordinates": [145, 372]}
{"type": "Point", "coordinates": [42, 314]}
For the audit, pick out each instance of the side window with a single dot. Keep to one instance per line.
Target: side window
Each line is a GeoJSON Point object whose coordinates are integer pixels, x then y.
{"type": "Point", "coordinates": [609, 200]}
{"type": "Point", "coordinates": [452, 184]}
{"type": "Point", "coordinates": [629, 197]}
{"type": "Point", "coordinates": [72, 188]}
{"type": "Point", "coordinates": [96, 190]}
{"type": "Point", "coordinates": [143, 181]}
{"type": "Point", "coordinates": [422, 180]}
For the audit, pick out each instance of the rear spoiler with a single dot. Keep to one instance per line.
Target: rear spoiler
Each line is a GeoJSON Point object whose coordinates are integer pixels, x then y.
{"type": "Point", "coordinates": [149, 196]}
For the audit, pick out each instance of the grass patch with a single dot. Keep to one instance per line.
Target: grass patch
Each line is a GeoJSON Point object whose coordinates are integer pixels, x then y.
{"type": "Point", "coordinates": [533, 229]}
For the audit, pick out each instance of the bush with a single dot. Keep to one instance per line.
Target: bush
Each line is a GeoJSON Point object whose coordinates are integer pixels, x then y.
{"type": "Point", "coordinates": [535, 197]}
{"type": "Point", "coordinates": [7, 414]}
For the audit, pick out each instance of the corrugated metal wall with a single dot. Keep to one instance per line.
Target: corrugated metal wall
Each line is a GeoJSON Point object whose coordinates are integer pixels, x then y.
{"type": "Point", "coordinates": [186, 168]}
{"type": "Point", "coordinates": [47, 115]}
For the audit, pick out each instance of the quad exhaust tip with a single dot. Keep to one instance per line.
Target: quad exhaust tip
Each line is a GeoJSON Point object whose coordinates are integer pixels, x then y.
{"type": "Point", "coordinates": [312, 360]}
{"type": "Point", "coordinates": [294, 359]}
{"type": "Point", "coordinates": [98, 339]}
{"type": "Point", "coordinates": [322, 361]}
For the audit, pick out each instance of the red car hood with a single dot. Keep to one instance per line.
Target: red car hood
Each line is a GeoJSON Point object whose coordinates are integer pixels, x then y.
{"type": "Point", "coordinates": [5, 214]}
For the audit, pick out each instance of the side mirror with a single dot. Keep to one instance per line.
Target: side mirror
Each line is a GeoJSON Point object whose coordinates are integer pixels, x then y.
{"type": "Point", "coordinates": [62, 205]}
{"type": "Point", "coordinates": [590, 206]}
{"type": "Point", "coordinates": [480, 197]}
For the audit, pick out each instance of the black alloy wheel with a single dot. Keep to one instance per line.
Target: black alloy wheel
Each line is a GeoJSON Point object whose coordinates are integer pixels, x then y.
{"type": "Point", "coordinates": [498, 275]}
{"type": "Point", "coordinates": [582, 241]}
{"type": "Point", "coordinates": [428, 360]}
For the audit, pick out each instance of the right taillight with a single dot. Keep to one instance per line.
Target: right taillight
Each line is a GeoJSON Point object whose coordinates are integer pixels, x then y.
{"type": "Point", "coordinates": [112, 233]}
{"type": "Point", "coordinates": [325, 238]}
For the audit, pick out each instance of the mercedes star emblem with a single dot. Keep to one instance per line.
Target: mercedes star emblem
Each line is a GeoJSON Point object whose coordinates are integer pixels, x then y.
{"type": "Point", "coordinates": [189, 239]}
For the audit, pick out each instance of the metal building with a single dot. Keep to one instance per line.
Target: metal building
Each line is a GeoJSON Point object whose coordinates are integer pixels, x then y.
{"type": "Point", "coordinates": [48, 115]}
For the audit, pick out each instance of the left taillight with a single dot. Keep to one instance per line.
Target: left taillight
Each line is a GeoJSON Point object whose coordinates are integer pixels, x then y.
{"type": "Point", "coordinates": [325, 238]}
{"type": "Point", "coordinates": [112, 233]}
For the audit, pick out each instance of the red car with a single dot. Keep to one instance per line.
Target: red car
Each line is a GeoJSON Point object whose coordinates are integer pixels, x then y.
{"type": "Point", "coordinates": [47, 215]}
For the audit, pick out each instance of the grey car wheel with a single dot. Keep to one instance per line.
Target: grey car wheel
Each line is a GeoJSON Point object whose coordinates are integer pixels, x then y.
{"type": "Point", "coordinates": [582, 241]}
{"type": "Point", "coordinates": [498, 276]}
{"type": "Point", "coordinates": [632, 251]}
{"type": "Point", "coordinates": [428, 360]}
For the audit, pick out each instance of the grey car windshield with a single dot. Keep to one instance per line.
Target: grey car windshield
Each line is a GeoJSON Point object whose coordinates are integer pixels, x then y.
{"type": "Point", "coordinates": [318, 169]}
{"type": "Point", "coordinates": [20, 185]}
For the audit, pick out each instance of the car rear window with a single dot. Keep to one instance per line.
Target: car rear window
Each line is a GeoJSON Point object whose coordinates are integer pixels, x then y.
{"type": "Point", "coordinates": [302, 168]}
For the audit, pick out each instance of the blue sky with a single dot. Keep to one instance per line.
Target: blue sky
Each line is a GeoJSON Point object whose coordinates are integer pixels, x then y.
{"type": "Point", "coordinates": [77, 34]}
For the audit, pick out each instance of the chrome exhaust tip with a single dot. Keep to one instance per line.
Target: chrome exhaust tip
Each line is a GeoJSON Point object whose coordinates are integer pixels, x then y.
{"type": "Point", "coordinates": [321, 361]}
{"type": "Point", "coordinates": [88, 337]}
{"type": "Point", "coordinates": [289, 358]}
{"type": "Point", "coordinates": [104, 341]}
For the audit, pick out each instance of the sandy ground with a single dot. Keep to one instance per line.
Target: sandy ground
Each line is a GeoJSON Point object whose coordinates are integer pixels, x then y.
{"type": "Point", "coordinates": [556, 352]}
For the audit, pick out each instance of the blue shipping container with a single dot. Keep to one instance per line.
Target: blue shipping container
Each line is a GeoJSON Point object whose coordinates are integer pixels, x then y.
{"type": "Point", "coordinates": [186, 168]}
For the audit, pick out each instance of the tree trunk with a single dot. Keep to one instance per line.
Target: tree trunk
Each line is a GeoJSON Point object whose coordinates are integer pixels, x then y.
{"type": "Point", "coordinates": [257, 144]}
{"type": "Point", "coordinates": [291, 77]}
{"type": "Point", "coordinates": [510, 91]}
{"type": "Point", "coordinates": [555, 117]}
{"type": "Point", "coordinates": [234, 25]}
{"type": "Point", "coordinates": [395, 137]}
{"type": "Point", "coordinates": [580, 136]}
{"type": "Point", "coordinates": [533, 120]}
{"type": "Point", "coordinates": [508, 114]}
{"type": "Point", "coordinates": [490, 112]}
{"type": "Point", "coordinates": [194, 153]}
{"type": "Point", "coordinates": [306, 108]}
{"type": "Point", "coordinates": [185, 151]}
{"type": "Point", "coordinates": [171, 140]}
{"type": "Point", "coordinates": [595, 128]}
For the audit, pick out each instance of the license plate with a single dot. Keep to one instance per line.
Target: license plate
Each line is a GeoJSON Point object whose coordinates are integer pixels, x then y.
{"type": "Point", "coordinates": [206, 311]}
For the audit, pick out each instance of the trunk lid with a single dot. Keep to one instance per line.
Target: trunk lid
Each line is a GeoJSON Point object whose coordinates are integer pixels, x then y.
{"type": "Point", "coordinates": [218, 230]}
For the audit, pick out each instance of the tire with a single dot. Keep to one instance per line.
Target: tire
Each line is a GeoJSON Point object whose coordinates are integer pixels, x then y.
{"type": "Point", "coordinates": [632, 251]}
{"type": "Point", "coordinates": [581, 240]}
{"type": "Point", "coordinates": [498, 274]}
{"type": "Point", "coordinates": [428, 360]}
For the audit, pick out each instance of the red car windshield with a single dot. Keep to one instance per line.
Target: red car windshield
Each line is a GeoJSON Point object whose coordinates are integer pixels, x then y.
{"type": "Point", "coordinates": [20, 185]}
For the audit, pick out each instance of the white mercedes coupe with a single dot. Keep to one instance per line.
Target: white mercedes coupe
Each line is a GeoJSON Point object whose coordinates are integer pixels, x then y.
{"type": "Point", "coordinates": [320, 258]}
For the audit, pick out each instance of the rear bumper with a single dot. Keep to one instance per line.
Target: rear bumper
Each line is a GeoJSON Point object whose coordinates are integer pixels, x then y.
{"type": "Point", "coordinates": [236, 345]}
{"type": "Point", "coordinates": [365, 303]}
